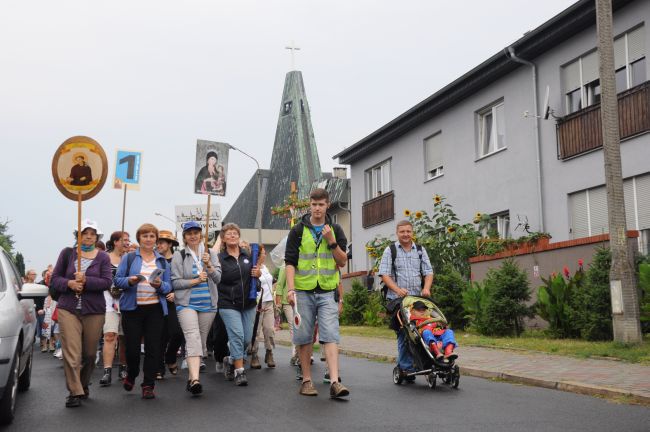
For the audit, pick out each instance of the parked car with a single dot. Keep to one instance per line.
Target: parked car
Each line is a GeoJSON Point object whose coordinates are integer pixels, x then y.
{"type": "Point", "coordinates": [17, 334]}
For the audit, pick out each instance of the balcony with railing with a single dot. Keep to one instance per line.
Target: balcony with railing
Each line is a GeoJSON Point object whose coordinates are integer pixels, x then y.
{"type": "Point", "coordinates": [580, 132]}
{"type": "Point", "coordinates": [378, 210]}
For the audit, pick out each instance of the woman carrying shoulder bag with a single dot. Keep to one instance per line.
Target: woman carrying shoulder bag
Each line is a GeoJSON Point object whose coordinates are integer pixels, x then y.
{"type": "Point", "coordinates": [195, 275]}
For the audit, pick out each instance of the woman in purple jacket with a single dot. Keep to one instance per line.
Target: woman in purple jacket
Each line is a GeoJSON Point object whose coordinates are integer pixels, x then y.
{"type": "Point", "coordinates": [81, 308]}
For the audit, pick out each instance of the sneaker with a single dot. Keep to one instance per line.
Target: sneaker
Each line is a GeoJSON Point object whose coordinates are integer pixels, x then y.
{"type": "Point", "coordinates": [123, 373]}
{"type": "Point", "coordinates": [268, 359]}
{"type": "Point", "coordinates": [218, 367]}
{"type": "Point", "coordinates": [228, 369]}
{"type": "Point", "coordinates": [240, 379]}
{"type": "Point", "coordinates": [105, 380]}
{"type": "Point", "coordinates": [255, 362]}
{"type": "Point", "coordinates": [298, 373]}
{"type": "Point", "coordinates": [203, 367]}
{"type": "Point", "coordinates": [147, 392]}
{"type": "Point", "coordinates": [294, 360]}
{"type": "Point", "coordinates": [72, 401]}
{"type": "Point", "coordinates": [194, 387]}
{"type": "Point", "coordinates": [159, 376]}
{"type": "Point", "coordinates": [307, 389]}
{"type": "Point", "coordinates": [184, 364]}
{"type": "Point", "coordinates": [127, 384]}
{"type": "Point", "coordinates": [326, 378]}
{"type": "Point", "coordinates": [338, 390]}
{"type": "Point", "coordinates": [58, 353]}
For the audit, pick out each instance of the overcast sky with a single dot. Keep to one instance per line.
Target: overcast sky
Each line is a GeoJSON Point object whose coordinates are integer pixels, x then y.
{"type": "Point", "coordinates": [155, 76]}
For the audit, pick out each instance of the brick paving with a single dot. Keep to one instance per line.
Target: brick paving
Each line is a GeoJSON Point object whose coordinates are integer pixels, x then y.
{"type": "Point", "coordinates": [586, 376]}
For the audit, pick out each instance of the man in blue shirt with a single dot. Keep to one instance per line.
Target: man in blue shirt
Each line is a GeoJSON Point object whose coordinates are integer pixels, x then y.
{"type": "Point", "coordinates": [412, 267]}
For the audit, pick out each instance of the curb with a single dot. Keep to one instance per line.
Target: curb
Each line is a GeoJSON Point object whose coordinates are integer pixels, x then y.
{"type": "Point", "coordinates": [566, 386]}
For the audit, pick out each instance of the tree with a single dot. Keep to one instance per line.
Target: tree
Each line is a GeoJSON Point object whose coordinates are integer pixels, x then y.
{"type": "Point", "coordinates": [624, 295]}
{"type": "Point", "coordinates": [5, 239]}
{"type": "Point", "coordinates": [19, 260]}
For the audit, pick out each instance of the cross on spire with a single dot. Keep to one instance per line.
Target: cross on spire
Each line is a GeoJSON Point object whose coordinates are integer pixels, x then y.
{"type": "Point", "coordinates": [293, 48]}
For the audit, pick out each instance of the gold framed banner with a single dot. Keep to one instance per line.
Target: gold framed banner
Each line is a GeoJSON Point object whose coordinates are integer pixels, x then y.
{"type": "Point", "coordinates": [79, 168]}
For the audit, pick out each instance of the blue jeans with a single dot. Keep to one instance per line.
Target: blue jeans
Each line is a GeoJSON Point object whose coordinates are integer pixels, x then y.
{"type": "Point", "coordinates": [404, 359]}
{"type": "Point", "coordinates": [446, 338]}
{"type": "Point", "coordinates": [239, 326]}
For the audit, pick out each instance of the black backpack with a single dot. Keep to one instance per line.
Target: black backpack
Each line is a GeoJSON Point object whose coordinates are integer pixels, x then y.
{"type": "Point", "coordinates": [393, 256]}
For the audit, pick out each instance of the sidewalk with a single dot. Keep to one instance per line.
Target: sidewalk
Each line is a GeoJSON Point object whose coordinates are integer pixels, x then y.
{"type": "Point", "coordinates": [586, 376]}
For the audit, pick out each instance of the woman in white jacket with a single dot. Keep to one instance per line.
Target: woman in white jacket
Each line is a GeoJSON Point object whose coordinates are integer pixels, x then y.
{"type": "Point", "coordinates": [266, 324]}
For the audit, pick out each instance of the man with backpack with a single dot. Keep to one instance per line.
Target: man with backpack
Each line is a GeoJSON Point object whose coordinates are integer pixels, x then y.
{"type": "Point", "coordinates": [405, 269]}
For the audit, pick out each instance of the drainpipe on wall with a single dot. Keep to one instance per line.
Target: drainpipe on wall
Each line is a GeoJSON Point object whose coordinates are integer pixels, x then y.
{"type": "Point", "coordinates": [510, 52]}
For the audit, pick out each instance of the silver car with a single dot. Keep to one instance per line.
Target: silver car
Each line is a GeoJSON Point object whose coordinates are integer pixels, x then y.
{"type": "Point", "coordinates": [17, 334]}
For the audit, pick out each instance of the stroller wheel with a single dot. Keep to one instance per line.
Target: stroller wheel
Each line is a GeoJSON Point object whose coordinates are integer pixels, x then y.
{"type": "Point", "coordinates": [397, 375]}
{"type": "Point", "coordinates": [431, 380]}
{"type": "Point", "coordinates": [456, 377]}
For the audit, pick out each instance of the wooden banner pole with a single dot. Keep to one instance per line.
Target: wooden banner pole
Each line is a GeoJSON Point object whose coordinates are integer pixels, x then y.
{"type": "Point", "coordinates": [124, 207]}
{"type": "Point", "coordinates": [207, 224]}
{"type": "Point", "coordinates": [79, 231]}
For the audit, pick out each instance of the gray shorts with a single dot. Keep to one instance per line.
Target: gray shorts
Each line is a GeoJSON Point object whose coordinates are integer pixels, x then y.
{"type": "Point", "coordinates": [313, 306]}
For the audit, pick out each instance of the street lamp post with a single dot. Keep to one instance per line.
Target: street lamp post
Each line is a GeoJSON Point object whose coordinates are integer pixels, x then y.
{"type": "Point", "coordinates": [258, 221]}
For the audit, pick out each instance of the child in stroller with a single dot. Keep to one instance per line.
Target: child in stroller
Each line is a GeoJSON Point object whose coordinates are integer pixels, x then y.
{"type": "Point", "coordinates": [432, 327]}
{"type": "Point", "coordinates": [426, 333]}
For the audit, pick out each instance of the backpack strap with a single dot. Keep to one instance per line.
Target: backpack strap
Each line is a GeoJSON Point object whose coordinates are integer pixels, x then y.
{"type": "Point", "coordinates": [393, 256]}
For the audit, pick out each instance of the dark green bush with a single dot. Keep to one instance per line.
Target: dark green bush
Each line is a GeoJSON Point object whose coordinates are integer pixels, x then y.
{"type": "Point", "coordinates": [375, 314]}
{"type": "Point", "coordinates": [447, 293]}
{"type": "Point", "coordinates": [354, 304]}
{"type": "Point", "coordinates": [593, 303]}
{"type": "Point", "coordinates": [508, 289]}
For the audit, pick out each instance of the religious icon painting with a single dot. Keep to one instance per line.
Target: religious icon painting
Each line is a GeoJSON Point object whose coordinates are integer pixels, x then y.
{"type": "Point", "coordinates": [79, 166]}
{"type": "Point", "coordinates": [211, 168]}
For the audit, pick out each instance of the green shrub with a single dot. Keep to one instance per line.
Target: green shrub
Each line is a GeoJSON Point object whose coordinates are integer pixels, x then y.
{"type": "Point", "coordinates": [556, 302]}
{"type": "Point", "coordinates": [644, 300]}
{"type": "Point", "coordinates": [354, 304]}
{"type": "Point", "coordinates": [475, 300]}
{"type": "Point", "coordinates": [375, 314]}
{"type": "Point", "coordinates": [593, 303]}
{"type": "Point", "coordinates": [447, 293]}
{"type": "Point", "coordinates": [509, 290]}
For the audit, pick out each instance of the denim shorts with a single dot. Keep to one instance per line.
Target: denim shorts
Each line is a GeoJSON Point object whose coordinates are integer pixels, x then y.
{"type": "Point", "coordinates": [313, 306]}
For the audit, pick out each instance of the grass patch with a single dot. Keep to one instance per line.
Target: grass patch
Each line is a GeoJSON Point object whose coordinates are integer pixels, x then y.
{"type": "Point", "coordinates": [532, 341]}
{"type": "Point", "coordinates": [537, 341]}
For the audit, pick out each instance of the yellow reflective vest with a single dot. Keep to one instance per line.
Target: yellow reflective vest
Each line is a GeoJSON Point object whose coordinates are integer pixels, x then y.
{"type": "Point", "coordinates": [316, 265]}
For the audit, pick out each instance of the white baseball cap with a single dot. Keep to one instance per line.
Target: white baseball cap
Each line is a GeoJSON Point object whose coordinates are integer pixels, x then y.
{"type": "Point", "coordinates": [88, 223]}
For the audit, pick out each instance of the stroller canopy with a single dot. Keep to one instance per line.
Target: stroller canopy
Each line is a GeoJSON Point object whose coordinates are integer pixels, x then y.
{"type": "Point", "coordinates": [436, 313]}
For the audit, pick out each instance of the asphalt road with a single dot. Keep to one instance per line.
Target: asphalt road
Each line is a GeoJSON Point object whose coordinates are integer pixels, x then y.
{"type": "Point", "coordinates": [271, 403]}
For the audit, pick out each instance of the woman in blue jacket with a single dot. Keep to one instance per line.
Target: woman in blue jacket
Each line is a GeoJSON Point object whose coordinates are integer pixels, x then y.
{"type": "Point", "coordinates": [143, 307]}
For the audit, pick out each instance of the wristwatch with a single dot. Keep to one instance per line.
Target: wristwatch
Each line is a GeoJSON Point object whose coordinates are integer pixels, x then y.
{"type": "Point", "coordinates": [332, 246]}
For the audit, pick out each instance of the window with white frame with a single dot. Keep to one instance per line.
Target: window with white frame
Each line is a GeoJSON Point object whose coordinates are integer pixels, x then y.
{"type": "Point", "coordinates": [378, 180]}
{"type": "Point", "coordinates": [588, 208]}
{"type": "Point", "coordinates": [580, 78]}
{"type": "Point", "coordinates": [499, 223]}
{"type": "Point", "coordinates": [492, 129]}
{"type": "Point", "coordinates": [433, 156]}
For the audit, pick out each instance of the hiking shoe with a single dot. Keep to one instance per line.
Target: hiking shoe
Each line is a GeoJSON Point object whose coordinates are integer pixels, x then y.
{"type": "Point", "coordinates": [128, 384]}
{"type": "Point", "coordinates": [123, 373]}
{"type": "Point", "coordinates": [228, 369]}
{"type": "Point", "coordinates": [105, 380]}
{"type": "Point", "coordinates": [255, 362]}
{"type": "Point", "coordinates": [268, 359]}
{"type": "Point", "coordinates": [147, 392]}
{"type": "Point", "coordinates": [307, 389]}
{"type": "Point", "coordinates": [338, 390]}
{"type": "Point", "coordinates": [194, 387]}
{"type": "Point", "coordinates": [72, 401]}
{"type": "Point", "coordinates": [240, 379]}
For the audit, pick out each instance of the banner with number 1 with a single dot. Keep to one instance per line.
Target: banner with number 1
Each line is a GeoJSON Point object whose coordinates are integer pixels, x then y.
{"type": "Point", "coordinates": [127, 169]}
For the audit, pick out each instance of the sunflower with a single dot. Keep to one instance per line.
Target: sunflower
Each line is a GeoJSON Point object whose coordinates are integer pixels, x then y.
{"type": "Point", "coordinates": [407, 212]}
{"type": "Point", "coordinates": [451, 229]}
{"type": "Point", "coordinates": [418, 214]}
{"type": "Point", "coordinates": [437, 199]}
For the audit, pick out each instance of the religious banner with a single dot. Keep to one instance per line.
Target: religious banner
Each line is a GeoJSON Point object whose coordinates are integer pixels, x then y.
{"type": "Point", "coordinates": [197, 212]}
{"type": "Point", "coordinates": [79, 168]}
{"type": "Point", "coordinates": [211, 168]}
{"type": "Point", "coordinates": [127, 169]}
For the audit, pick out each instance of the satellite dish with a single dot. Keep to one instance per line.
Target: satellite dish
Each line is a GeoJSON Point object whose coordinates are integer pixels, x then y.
{"type": "Point", "coordinates": [546, 110]}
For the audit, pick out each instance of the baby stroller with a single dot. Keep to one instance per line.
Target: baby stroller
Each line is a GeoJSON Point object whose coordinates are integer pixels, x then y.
{"type": "Point", "coordinates": [424, 361]}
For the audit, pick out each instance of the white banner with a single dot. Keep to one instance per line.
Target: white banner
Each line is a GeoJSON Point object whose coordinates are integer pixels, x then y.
{"type": "Point", "coordinates": [196, 212]}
